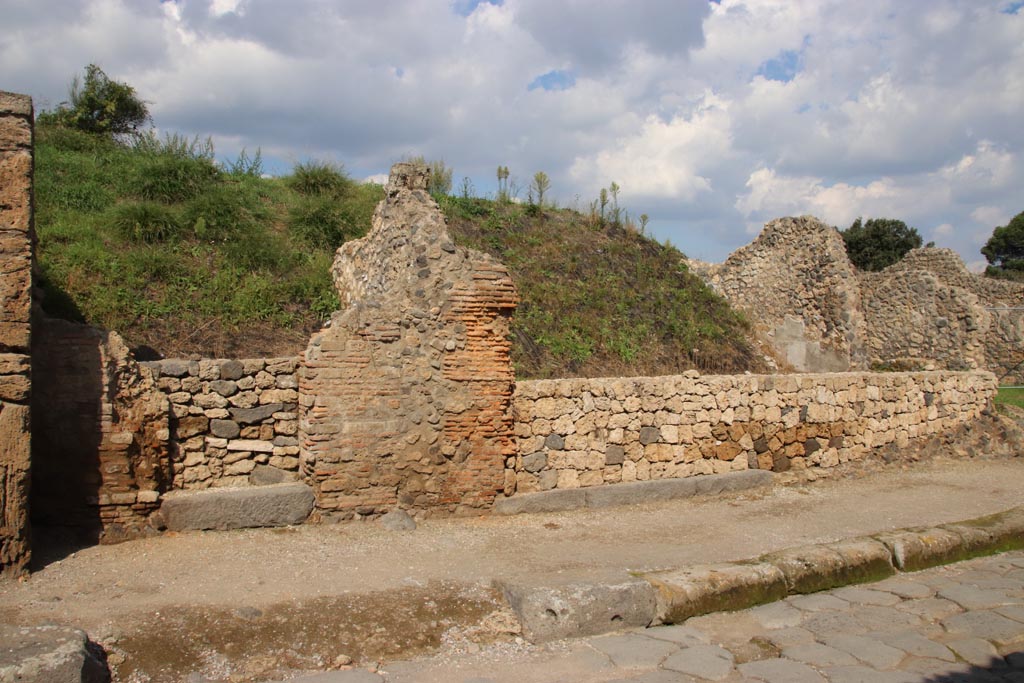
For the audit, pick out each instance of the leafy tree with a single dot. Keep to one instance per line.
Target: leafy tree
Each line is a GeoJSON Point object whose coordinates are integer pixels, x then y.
{"type": "Point", "coordinates": [97, 104]}
{"type": "Point", "coordinates": [541, 184]}
{"type": "Point", "coordinates": [1005, 250]}
{"type": "Point", "coordinates": [503, 188]}
{"type": "Point", "coordinates": [879, 242]}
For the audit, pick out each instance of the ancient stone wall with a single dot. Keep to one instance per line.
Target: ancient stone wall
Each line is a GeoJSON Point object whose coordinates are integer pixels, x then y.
{"type": "Point", "coordinates": [405, 399]}
{"type": "Point", "coordinates": [100, 456]}
{"type": "Point", "coordinates": [800, 290]}
{"type": "Point", "coordinates": [798, 286]}
{"type": "Point", "coordinates": [16, 244]}
{"type": "Point", "coordinates": [234, 422]}
{"type": "Point", "coordinates": [588, 432]}
{"type": "Point", "coordinates": [927, 308]}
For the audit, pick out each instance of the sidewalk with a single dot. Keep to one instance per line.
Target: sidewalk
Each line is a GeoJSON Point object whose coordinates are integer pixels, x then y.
{"type": "Point", "coordinates": [248, 603]}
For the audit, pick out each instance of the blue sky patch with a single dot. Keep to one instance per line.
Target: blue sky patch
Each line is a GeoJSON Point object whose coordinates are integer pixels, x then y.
{"type": "Point", "coordinates": [466, 7]}
{"type": "Point", "coordinates": [1012, 7]}
{"type": "Point", "coordinates": [783, 68]}
{"type": "Point", "coordinates": [553, 80]}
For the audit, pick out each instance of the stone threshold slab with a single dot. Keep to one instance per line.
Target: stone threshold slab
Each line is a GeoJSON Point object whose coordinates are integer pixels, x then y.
{"type": "Point", "coordinates": [631, 493]}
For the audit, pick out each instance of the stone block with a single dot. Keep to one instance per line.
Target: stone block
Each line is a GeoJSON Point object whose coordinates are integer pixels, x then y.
{"type": "Point", "coordinates": [49, 654]}
{"type": "Point", "coordinates": [916, 549]}
{"type": "Point", "coordinates": [813, 568]}
{"type": "Point", "coordinates": [237, 508]}
{"type": "Point", "coordinates": [577, 609]}
{"type": "Point", "coordinates": [701, 589]}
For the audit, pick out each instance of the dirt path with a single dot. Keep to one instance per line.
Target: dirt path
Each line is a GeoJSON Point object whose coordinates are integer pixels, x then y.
{"type": "Point", "coordinates": [256, 587]}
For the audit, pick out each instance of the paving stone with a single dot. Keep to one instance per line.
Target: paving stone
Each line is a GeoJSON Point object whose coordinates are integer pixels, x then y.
{"type": "Point", "coordinates": [915, 644]}
{"type": "Point", "coordinates": [787, 637]}
{"type": "Point", "coordinates": [974, 650]}
{"type": "Point", "coordinates": [987, 625]}
{"type": "Point", "coordinates": [48, 654]}
{"type": "Point", "coordinates": [972, 597]}
{"type": "Point", "coordinates": [875, 618]}
{"type": "Point", "coordinates": [680, 634]}
{"type": "Point", "coordinates": [869, 650]}
{"type": "Point", "coordinates": [780, 671]}
{"type": "Point", "coordinates": [863, 674]}
{"type": "Point", "coordinates": [930, 608]}
{"type": "Point", "coordinates": [827, 623]}
{"type": "Point", "coordinates": [659, 676]}
{"type": "Point", "coordinates": [819, 655]}
{"type": "Point", "coordinates": [777, 615]}
{"type": "Point", "coordinates": [904, 588]}
{"type": "Point", "coordinates": [935, 668]}
{"type": "Point", "coordinates": [704, 661]}
{"type": "Point", "coordinates": [1015, 612]}
{"type": "Point", "coordinates": [634, 651]}
{"type": "Point", "coordinates": [866, 596]}
{"type": "Point", "coordinates": [817, 602]}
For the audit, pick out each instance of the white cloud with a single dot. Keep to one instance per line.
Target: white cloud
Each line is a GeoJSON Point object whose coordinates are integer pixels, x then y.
{"type": "Point", "coordinates": [877, 109]}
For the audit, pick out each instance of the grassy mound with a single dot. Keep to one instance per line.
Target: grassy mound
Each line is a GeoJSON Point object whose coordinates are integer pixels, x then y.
{"type": "Point", "coordinates": [183, 256]}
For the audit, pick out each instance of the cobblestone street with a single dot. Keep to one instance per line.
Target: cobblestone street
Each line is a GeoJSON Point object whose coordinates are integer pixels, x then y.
{"type": "Point", "coordinates": [962, 622]}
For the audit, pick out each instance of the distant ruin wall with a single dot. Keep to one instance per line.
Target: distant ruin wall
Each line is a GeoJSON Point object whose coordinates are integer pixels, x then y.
{"type": "Point", "coordinates": [800, 289]}
{"type": "Point", "coordinates": [16, 257]}
{"type": "Point", "coordinates": [100, 433]}
{"type": "Point", "coordinates": [233, 422]}
{"type": "Point", "coordinates": [405, 399]}
{"type": "Point", "coordinates": [588, 432]}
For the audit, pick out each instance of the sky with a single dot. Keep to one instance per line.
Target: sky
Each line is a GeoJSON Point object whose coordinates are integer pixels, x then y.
{"type": "Point", "coordinates": [712, 117]}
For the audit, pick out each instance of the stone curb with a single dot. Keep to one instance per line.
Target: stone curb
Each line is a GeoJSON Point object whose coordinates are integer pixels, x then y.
{"type": "Point", "coordinates": [631, 493]}
{"type": "Point", "coordinates": [672, 596]}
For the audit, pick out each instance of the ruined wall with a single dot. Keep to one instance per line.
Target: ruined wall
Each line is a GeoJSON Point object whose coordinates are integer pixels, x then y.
{"type": "Point", "coordinates": [797, 284]}
{"type": "Point", "coordinates": [929, 308]}
{"type": "Point", "coordinates": [16, 243]}
{"type": "Point", "coordinates": [99, 435]}
{"type": "Point", "coordinates": [798, 287]}
{"type": "Point", "coordinates": [588, 432]}
{"type": "Point", "coordinates": [405, 399]}
{"type": "Point", "coordinates": [234, 422]}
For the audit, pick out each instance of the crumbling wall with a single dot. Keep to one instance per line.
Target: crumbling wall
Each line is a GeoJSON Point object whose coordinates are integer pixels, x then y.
{"type": "Point", "coordinates": [16, 243]}
{"type": "Point", "coordinates": [405, 399]}
{"type": "Point", "coordinates": [100, 433]}
{"type": "Point", "coordinates": [800, 290]}
{"type": "Point", "coordinates": [233, 422]}
{"type": "Point", "coordinates": [588, 432]}
{"type": "Point", "coordinates": [928, 308]}
{"type": "Point", "coordinates": [820, 313]}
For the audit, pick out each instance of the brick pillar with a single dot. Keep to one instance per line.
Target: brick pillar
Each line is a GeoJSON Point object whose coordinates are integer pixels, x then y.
{"type": "Point", "coordinates": [16, 243]}
{"type": "Point", "coordinates": [405, 400]}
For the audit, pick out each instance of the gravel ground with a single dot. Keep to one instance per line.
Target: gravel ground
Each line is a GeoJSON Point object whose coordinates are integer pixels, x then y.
{"type": "Point", "coordinates": [241, 604]}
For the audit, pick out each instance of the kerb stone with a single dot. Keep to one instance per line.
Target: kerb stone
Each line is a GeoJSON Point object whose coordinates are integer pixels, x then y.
{"type": "Point", "coordinates": [701, 589]}
{"type": "Point", "coordinates": [573, 610]}
{"type": "Point", "coordinates": [238, 508]}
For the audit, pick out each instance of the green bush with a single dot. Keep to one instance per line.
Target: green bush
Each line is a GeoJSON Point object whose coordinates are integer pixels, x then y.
{"type": "Point", "coordinates": [318, 221]}
{"type": "Point", "coordinates": [171, 178]}
{"type": "Point", "coordinates": [222, 212]}
{"type": "Point", "coordinates": [145, 222]}
{"type": "Point", "coordinates": [320, 178]}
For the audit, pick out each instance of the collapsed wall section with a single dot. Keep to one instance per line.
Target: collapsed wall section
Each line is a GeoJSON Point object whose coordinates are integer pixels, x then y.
{"type": "Point", "coordinates": [16, 244]}
{"type": "Point", "coordinates": [928, 307]}
{"type": "Point", "coordinates": [798, 287]}
{"type": "Point", "coordinates": [100, 433]}
{"type": "Point", "coordinates": [589, 432]}
{"type": "Point", "coordinates": [405, 399]}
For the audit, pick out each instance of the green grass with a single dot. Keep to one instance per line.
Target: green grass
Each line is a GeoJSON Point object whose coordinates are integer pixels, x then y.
{"type": "Point", "coordinates": [176, 253]}
{"type": "Point", "coordinates": [598, 299]}
{"type": "Point", "coordinates": [1007, 396]}
{"type": "Point", "coordinates": [159, 243]}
